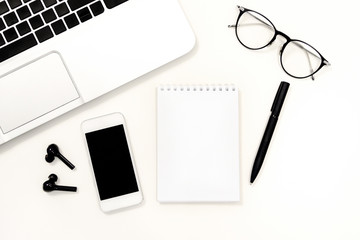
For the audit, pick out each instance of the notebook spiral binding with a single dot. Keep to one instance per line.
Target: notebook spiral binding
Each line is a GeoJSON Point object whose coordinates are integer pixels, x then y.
{"type": "Point", "coordinates": [204, 88]}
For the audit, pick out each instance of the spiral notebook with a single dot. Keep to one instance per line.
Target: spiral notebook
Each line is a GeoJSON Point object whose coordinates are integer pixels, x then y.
{"type": "Point", "coordinates": [198, 144]}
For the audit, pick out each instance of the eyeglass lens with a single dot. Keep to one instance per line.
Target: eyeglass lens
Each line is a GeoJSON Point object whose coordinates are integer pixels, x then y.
{"type": "Point", "coordinates": [298, 59]}
{"type": "Point", "coordinates": [254, 31]}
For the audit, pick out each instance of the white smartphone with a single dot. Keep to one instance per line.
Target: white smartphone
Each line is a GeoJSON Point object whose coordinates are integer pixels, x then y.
{"type": "Point", "coordinates": [112, 162]}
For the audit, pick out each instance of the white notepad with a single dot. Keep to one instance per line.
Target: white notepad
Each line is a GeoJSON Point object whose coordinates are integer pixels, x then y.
{"type": "Point", "coordinates": [198, 144]}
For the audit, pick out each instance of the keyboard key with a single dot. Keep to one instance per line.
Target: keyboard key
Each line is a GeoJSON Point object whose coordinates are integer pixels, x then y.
{"type": "Point", "coordinates": [97, 8]}
{"type": "Point", "coordinates": [17, 47]}
{"type": "Point", "coordinates": [58, 27]}
{"type": "Point", "coordinates": [3, 8]}
{"type": "Point", "coordinates": [14, 3]}
{"type": "Point", "coordinates": [113, 3]}
{"type": "Point", "coordinates": [84, 14]}
{"type": "Point", "coordinates": [23, 12]}
{"type": "Point", "coordinates": [36, 22]}
{"type": "Point", "coordinates": [71, 21]}
{"type": "Point", "coordinates": [10, 34]}
{"type": "Point", "coordinates": [49, 15]}
{"type": "Point", "coordinates": [76, 4]}
{"type": "Point", "coordinates": [61, 9]}
{"type": "Point", "coordinates": [36, 6]}
{"type": "Point", "coordinates": [49, 3]}
{"type": "Point", "coordinates": [11, 19]}
{"type": "Point", "coordinates": [2, 24]}
{"type": "Point", "coordinates": [25, 1]}
{"type": "Point", "coordinates": [23, 28]}
{"type": "Point", "coordinates": [2, 40]}
{"type": "Point", "coordinates": [44, 34]}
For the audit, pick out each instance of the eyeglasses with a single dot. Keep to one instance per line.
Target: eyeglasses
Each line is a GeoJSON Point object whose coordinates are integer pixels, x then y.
{"type": "Point", "coordinates": [298, 59]}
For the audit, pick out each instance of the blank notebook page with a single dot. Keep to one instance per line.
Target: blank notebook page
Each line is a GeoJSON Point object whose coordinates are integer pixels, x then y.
{"type": "Point", "coordinates": [198, 144]}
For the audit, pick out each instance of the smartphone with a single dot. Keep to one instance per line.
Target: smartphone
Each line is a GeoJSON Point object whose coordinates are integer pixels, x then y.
{"type": "Point", "coordinates": [112, 162]}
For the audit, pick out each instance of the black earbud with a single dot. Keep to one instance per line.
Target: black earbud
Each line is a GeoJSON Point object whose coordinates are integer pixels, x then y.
{"type": "Point", "coordinates": [52, 152]}
{"type": "Point", "coordinates": [50, 185]}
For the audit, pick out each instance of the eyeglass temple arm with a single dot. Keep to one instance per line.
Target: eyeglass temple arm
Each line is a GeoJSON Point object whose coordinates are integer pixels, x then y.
{"type": "Point", "coordinates": [242, 9]}
{"type": "Point", "coordinates": [307, 52]}
{"type": "Point", "coordinates": [326, 62]}
{"type": "Point", "coordinates": [308, 58]}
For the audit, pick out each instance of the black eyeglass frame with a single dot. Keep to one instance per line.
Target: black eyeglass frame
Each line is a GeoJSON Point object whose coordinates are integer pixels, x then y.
{"type": "Point", "coordinates": [277, 33]}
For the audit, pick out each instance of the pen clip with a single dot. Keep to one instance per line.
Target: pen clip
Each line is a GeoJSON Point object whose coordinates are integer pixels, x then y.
{"type": "Point", "coordinates": [279, 98]}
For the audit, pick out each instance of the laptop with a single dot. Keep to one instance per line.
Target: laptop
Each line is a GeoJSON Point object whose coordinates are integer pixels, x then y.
{"type": "Point", "coordinates": [56, 55]}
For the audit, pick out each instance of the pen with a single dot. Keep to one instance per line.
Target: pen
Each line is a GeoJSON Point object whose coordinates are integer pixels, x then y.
{"type": "Point", "coordinates": [269, 130]}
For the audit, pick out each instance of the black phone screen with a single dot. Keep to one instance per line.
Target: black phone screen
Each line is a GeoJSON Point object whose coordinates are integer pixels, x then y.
{"type": "Point", "coordinates": [111, 161]}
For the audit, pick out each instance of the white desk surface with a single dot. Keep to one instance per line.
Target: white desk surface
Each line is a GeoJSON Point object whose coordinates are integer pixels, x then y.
{"type": "Point", "coordinates": [308, 187]}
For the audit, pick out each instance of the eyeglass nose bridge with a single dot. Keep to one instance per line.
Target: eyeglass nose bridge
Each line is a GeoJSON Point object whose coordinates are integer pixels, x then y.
{"type": "Point", "coordinates": [286, 37]}
{"type": "Point", "coordinates": [276, 34]}
{"type": "Point", "coordinates": [279, 33]}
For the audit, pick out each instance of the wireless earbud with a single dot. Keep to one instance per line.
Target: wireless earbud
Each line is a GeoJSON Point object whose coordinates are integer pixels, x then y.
{"type": "Point", "coordinates": [50, 185]}
{"type": "Point", "coordinates": [53, 151]}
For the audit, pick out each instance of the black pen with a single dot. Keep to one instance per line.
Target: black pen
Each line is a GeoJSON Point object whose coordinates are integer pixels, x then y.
{"type": "Point", "coordinates": [265, 141]}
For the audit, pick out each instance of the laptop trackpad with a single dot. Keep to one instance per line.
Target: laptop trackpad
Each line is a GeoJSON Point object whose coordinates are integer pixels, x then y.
{"type": "Point", "coordinates": [33, 90]}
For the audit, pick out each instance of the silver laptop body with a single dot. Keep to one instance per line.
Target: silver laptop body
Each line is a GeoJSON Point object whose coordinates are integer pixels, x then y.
{"type": "Point", "coordinates": [63, 60]}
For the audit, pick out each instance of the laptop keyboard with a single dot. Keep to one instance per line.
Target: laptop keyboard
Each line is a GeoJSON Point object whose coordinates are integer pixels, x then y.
{"type": "Point", "coordinates": [27, 23]}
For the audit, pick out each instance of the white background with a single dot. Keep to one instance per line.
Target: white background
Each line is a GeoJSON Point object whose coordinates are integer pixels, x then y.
{"type": "Point", "coordinates": [309, 184]}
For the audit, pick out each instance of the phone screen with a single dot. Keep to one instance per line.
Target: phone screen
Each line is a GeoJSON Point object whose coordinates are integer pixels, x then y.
{"type": "Point", "coordinates": [111, 161]}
